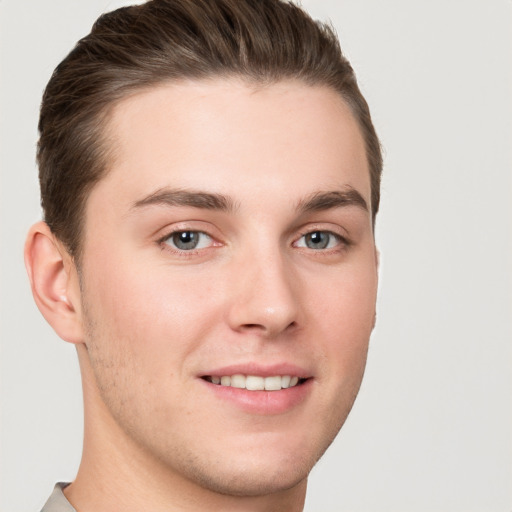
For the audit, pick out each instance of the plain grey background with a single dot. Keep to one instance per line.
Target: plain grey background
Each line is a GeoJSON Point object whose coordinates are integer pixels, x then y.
{"type": "Point", "coordinates": [431, 430]}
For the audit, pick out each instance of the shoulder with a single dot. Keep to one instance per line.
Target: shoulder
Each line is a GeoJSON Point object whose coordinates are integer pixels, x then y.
{"type": "Point", "coordinates": [57, 502]}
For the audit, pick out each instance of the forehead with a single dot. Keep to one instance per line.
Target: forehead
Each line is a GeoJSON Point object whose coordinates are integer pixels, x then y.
{"type": "Point", "coordinates": [234, 137]}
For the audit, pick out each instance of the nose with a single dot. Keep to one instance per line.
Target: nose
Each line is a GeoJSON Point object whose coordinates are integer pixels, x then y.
{"type": "Point", "coordinates": [266, 297]}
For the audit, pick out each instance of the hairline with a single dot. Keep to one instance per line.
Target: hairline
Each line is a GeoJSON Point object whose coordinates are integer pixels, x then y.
{"type": "Point", "coordinates": [105, 138]}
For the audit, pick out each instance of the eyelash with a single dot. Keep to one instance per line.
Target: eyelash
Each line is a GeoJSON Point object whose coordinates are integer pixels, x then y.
{"type": "Point", "coordinates": [162, 242]}
{"type": "Point", "coordinates": [342, 242]}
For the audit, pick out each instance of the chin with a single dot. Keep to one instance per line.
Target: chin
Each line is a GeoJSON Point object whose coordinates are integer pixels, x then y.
{"type": "Point", "coordinates": [253, 482]}
{"type": "Point", "coordinates": [257, 470]}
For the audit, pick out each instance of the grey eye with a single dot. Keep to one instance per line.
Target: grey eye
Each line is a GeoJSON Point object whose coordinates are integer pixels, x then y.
{"type": "Point", "coordinates": [319, 240]}
{"type": "Point", "coordinates": [188, 240]}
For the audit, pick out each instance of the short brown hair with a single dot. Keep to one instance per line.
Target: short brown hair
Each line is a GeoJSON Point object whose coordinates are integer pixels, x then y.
{"type": "Point", "coordinates": [136, 47]}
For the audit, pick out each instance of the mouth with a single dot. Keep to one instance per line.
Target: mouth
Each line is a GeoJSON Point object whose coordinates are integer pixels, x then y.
{"type": "Point", "coordinates": [256, 382]}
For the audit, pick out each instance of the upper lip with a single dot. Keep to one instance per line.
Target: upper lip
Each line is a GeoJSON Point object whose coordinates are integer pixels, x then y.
{"type": "Point", "coordinates": [259, 370]}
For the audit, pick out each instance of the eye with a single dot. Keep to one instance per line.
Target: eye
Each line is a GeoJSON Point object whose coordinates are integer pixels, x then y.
{"type": "Point", "coordinates": [188, 240]}
{"type": "Point", "coordinates": [318, 240]}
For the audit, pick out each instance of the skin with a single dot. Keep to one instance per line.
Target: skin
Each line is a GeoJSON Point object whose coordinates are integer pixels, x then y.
{"type": "Point", "coordinates": [150, 319]}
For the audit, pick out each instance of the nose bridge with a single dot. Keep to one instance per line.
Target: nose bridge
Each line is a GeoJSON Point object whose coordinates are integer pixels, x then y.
{"type": "Point", "coordinates": [265, 300]}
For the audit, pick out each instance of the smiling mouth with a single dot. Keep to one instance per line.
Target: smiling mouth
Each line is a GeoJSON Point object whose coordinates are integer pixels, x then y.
{"type": "Point", "coordinates": [256, 383]}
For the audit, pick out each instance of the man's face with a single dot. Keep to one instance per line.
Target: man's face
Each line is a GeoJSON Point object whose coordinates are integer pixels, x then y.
{"type": "Point", "coordinates": [229, 239]}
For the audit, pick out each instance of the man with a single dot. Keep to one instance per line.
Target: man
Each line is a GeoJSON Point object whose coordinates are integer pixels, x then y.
{"type": "Point", "coordinates": [209, 178]}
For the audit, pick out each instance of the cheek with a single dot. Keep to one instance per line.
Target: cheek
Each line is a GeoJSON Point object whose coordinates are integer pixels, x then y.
{"type": "Point", "coordinates": [349, 297]}
{"type": "Point", "coordinates": [346, 314]}
{"type": "Point", "coordinates": [151, 312]}
{"type": "Point", "coordinates": [143, 324]}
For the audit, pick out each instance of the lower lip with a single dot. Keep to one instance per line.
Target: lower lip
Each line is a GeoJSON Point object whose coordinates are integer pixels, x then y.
{"type": "Point", "coordinates": [262, 402]}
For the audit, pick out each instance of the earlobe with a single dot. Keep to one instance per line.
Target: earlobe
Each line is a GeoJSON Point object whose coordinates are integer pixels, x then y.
{"type": "Point", "coordinates": [377, 266]}
{"type": "Point", "coordinates": [54, 282]}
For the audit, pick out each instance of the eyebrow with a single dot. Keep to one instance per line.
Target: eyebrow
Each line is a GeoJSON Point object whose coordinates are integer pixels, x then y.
{"type": "Point", "coordinates": [318, 201]}
{"type": "Point", "coordinates": [321, 201]}
{"type": "Point", "coordinates": [193, 198]}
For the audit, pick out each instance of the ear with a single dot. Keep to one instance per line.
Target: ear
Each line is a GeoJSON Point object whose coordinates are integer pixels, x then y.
{"type": "Point", "coordinates": [377, 265]}
{"type": "Point", "coordinates": [54, 282]}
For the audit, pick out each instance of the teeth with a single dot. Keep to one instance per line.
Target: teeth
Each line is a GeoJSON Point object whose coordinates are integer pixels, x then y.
{"type": "Point", "coordinates": [272, 383]}
{"type": "Point", "coordinates": [256, 383]}
{"type": "Point", "coordinates": [238, 381]}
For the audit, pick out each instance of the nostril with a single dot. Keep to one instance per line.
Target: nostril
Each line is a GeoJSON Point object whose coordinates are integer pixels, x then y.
{"type": "Point", "coordinates": [270, 329]}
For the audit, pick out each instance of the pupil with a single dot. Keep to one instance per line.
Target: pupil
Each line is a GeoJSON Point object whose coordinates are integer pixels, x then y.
{"type": "Point", "coordinates": [186, 237]}
{"type": "Point", "coordinates": [185, 240]}
{"type": "Point", "coordinates": [317, 240]}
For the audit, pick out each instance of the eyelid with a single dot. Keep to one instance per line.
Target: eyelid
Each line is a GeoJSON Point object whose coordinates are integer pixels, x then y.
{"type": "Point", "coordinates": [173, 233]}
{"type": "Point", "coordinates": [340, 240]}
{"type": "Point", "coordinates": [216, 239]}
{"type": "Point", "coordinates": [187, 226]}
{"type": "Point", "coordinates": [195, 225]}
{"type": "Point", "coordinates": [335, 229]}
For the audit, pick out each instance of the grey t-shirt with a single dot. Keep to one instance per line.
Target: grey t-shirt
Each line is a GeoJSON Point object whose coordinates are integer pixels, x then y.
{"type": "Point", "coordinates": [57, 502]}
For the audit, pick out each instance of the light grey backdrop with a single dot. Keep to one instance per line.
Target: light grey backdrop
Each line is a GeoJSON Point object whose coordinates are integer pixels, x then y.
{"type": "Point", "coordinates": [431, 429]}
